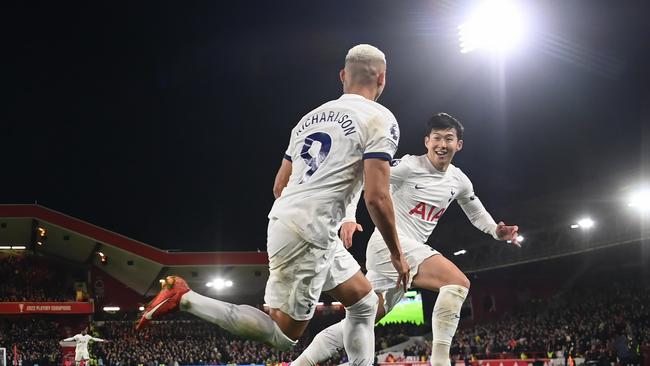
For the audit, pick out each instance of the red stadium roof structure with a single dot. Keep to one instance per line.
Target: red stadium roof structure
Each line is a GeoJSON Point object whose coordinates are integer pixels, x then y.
{"type": "Point", "coordinates": [135, 264]}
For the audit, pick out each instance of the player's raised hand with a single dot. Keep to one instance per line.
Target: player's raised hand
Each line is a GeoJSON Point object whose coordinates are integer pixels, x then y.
{"type": "Point", "coordinates": [347, 231]}
{"type": "Point", "coordinates": [403, 271]}
{"type": "Point", "coordinates": [505, 232]}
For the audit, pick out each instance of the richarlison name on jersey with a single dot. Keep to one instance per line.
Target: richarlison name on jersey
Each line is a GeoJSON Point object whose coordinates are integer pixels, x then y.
{"type": "Point", "coordinates": [343, 120]}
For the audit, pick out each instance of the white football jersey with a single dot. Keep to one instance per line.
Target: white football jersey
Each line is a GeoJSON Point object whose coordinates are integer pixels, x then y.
{"type": "Point", "coordinates": [327, 148]}
{"type": "Point", "coordinates": [82, 342]}
{"type": "Point", "coordinates": [421, 194]}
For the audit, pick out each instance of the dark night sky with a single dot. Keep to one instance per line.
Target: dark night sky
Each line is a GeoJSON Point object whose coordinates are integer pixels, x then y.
{"type": "Point", "coordinates": [166, 121]}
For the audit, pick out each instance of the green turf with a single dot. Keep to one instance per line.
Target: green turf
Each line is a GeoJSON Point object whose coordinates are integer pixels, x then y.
{"type": "Point", "coordinates": [405, 312]}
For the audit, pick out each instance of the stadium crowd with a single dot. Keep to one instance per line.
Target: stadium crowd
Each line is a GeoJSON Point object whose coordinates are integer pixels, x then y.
{"type": "Point", "coordinates": [599, 324]}
{"type": "Point", "coordinates": [36, 339]}
{"type": "Point", "coordinates": [169, 342]}
{"type": "Point", "coordinates": [28, 278]}
{"type": "Point", "coordinates": [602, 324]}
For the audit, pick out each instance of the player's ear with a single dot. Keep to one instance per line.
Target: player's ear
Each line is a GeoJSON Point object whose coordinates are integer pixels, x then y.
{"type": "Point", "coordinates": [460, 145]}
{"type": "Point", "coordinates": [381, 79]}
{"type": "Point", "coordinates": [342, 76]}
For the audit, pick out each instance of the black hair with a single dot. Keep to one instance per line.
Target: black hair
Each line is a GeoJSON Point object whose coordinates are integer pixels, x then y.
{"type": "Point", "coordinates": [443, 121]}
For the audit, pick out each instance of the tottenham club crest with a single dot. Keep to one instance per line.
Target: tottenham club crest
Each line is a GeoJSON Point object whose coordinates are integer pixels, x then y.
{"type": "Point", "coordinates": [394, 131]}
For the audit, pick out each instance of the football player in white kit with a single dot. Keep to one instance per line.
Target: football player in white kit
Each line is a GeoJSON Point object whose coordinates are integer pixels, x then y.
{"type": "Point", "coordinates": [422, 188]}
{"type": "Point", "coordinates": [332, 150]}
{"type": "Point", "coordinates": [81, 349]}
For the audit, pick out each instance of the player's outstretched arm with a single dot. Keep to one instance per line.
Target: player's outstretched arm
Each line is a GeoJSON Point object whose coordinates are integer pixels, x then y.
{"type": "Point", "coordinates": [482, 220]}
{"type": "Point", "coordinates": [282, 178]}
{"type": "Point", "coordinates": [380, 207]}
{"type": "Point", "coordinates": [68, 339]}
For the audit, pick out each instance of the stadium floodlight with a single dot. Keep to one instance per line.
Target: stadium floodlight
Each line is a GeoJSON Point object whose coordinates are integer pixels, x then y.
{"type": "Point", "coordinates": [141, 308]}
{"type": "Point", "coordinates": [111, 309]}
{"type": "Point", "coordinates": [575, 226]}
{"type": "Point", "coordinates": [460, 252]}
{"type": "Point", "coordinates": [586, 223]}
{"type": "Point", "coordinates": [220, 283]}
{"type": "Point", "coordinates": [494, 24]}
{"type": "Point", "coordinates": [12, 247]}
{"type": "Point", "coordinates": [640, 200]}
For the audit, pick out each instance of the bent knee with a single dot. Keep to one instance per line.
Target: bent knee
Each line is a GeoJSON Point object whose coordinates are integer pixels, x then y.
{"type": "Point", "coordinates": [464, 281]}
{"type": "Point", "coordinates": [366, 307]}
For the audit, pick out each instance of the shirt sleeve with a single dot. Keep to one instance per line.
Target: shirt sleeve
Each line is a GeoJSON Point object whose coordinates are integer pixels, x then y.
{"type": "Point", "coordinates": [351, 208]}
{"type": "Point", "coordinates": [400, 170]}
{"type": "Point", "coordinates": [69, 339]}
{"type": "Point", "coordinates": [474, 209]}
{"type": "Point", "coordinates": [287, 152]}
{"type": "Point", "coordinates": [382, 137]}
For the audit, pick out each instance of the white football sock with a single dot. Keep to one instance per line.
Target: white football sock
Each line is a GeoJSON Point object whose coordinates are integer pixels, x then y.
{"type": "Point", "coordinates": [359, 331]}
{"type": "Point", "coordinates": [324, 346]}
{"type": "Point", "coordinates": [444, 321]}
{"type": "Point", "coordinates": [242, 320]}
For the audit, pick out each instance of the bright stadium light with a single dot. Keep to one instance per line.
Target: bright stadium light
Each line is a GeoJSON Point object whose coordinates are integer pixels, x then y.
{"type": "Point", "coordinates": [460, 252]}
{"type": "Point", "coordinates": [495, 24]}
{"type": "Point", "coordinates": [586, 223]}
{"type": "Point", "coordinates": [111, 309]}
{"type": "Point", "coordinates": [12, 247]}
{"type": "Point", "coordinates": [520, 239]}
{"type": "Point", "coordinates": [575, 226]}
{"type": "Point", "coordinates": [220, 283]}
{"type": "Point", "coordinates": [141, 308]}
{"type": "Point", "coordinates": [640, 200]}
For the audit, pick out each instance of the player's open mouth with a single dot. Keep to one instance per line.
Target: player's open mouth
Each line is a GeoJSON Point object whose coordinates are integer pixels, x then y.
{"type": "Point", "coordinates": [441, 154]}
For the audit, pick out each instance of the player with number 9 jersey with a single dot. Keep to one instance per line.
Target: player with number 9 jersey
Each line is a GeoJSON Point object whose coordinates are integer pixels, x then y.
{"type": "Point", "coordinates": [327, 148]}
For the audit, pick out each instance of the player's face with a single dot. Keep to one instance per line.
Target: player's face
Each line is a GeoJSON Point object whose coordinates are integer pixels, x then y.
{"type": "Point", "coordinates": [442, 145]}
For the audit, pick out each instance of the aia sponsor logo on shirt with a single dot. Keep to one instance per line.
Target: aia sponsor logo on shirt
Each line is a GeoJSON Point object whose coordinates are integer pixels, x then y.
{"type": "Point", "coordinates": [427, 212]}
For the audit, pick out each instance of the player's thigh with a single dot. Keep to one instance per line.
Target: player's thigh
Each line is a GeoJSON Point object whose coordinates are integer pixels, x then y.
{"type": "Point", "coordinates": [297, 272]}
{"type": "Point", "coordinates": [437, 271]}
{"type": "Point", "coordinates": [344, 281]}
{"type": "Point", "coordinates": [382, 273]}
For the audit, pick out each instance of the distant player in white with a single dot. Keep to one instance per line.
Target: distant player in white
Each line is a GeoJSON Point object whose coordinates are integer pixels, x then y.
{"type": "Point", "coordinates": [81, 349]}
{"type": "Point", "coordinates": [422, 188]}
{"type": "Point", "coordinates": [330, 151]}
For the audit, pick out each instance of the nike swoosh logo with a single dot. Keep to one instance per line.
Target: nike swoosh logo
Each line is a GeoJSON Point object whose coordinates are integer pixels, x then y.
{"type": "Point", "coordinates": [149, 314]}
